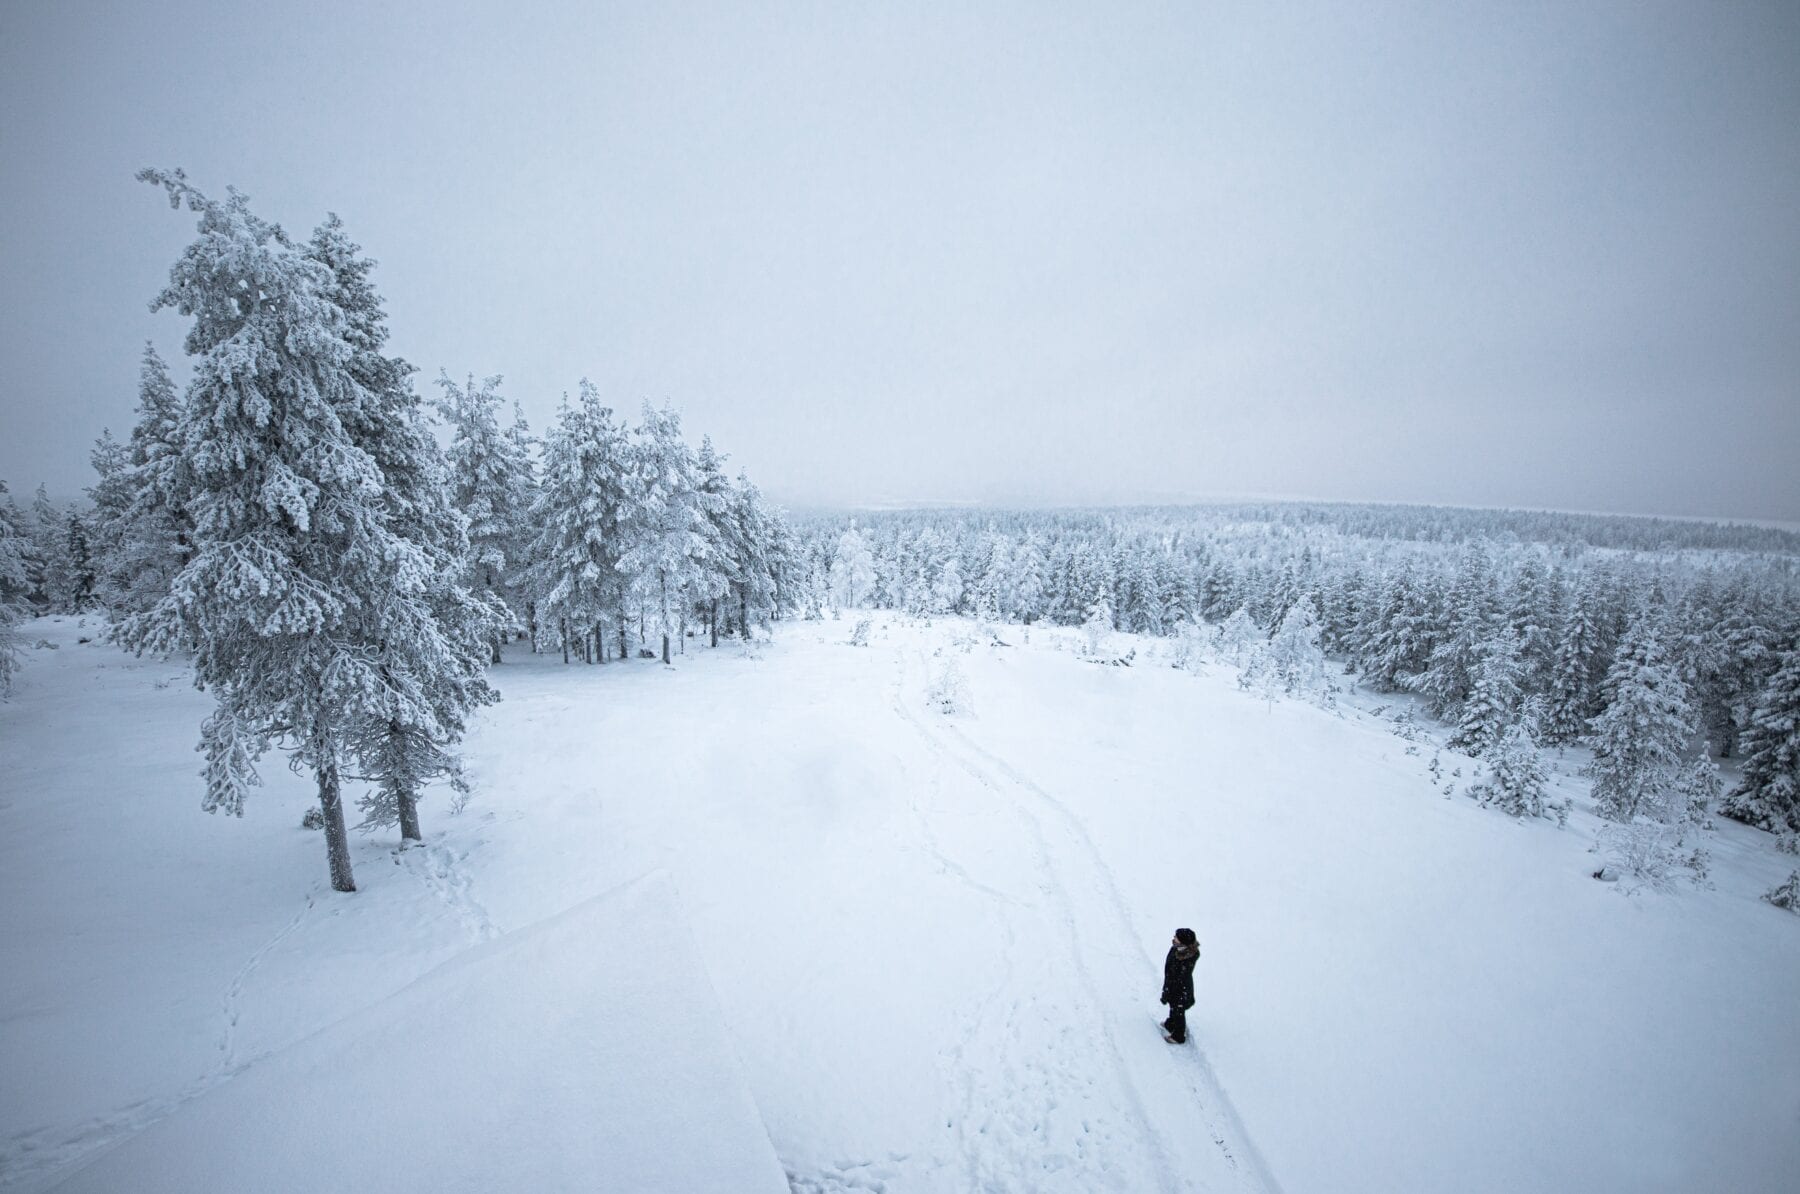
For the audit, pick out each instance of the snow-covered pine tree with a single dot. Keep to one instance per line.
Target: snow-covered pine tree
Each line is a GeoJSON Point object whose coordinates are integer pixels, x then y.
{"type": "Point", "coordinates": [83, 581]}
{"type": "Point", "coordinates": [50, 551]}
{"type": "Point", "coordinates": [1470, 614]}
{"type": "Point", "coordinates": [491, 483]}
{"type": "Point", "coordinates": [431, 634]}
{"type": "Point", "coordinates": [1397, 644]}
{"type": "Point", "coordinates": [759, 548]}
{"type": "Point", "coordinates": [1492, 707]}
{"type": "Point", "coordinates": [1768, 795]}
{"type": "Point", "coordinates": [1578, 666]}
{"type": "Point", "coordinates": [665, 532]}
{"type": "Point", "coordinates": [1745, 649]}
{"type": "Point", "coordinates": [579, 510]}
{"type": "Point", "coordinates": [1638, 739]}
{"type": "Point", "coordinates": [1535, 607]}
{"type": "Point", "coordinates": [852, 570]}
{"type": "Point", "coordinates": [15, 585]}
{"type": "Point", "coordinates": [1293, 653]}
{"type": "Point", "coordinates": [292, 543]}
{"type": "Point", "coordinates": [108, 497]}
{"type": "Point", "coordinates": [947, 588]}
{"type": "Point", "coordinates": [1026, 580]}
{"type": "Point", "coordinates": [718, 569]}
{"type": "Point", "coordinates": [147, 530]}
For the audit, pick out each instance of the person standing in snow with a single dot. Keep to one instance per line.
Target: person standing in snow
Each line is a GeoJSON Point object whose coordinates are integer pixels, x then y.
{"type": "Point", "coordinates": [1178, 984]}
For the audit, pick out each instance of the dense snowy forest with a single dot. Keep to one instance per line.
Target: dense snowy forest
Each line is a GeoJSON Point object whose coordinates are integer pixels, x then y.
{"type": "Point", "coordinates": [341, 568]}
{"type": "Point", "coordinates": [1656, 643]}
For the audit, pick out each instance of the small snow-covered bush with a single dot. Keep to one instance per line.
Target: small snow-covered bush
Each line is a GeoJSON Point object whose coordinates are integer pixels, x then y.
{"type": "Point", "coordinates": [859, 637]}
{"type": "Point", "coordinates": [1653, 852]}
{"type": "Point", "coordinates": [1516, 783]}
{"type": "Point", "coordinates": [1098, 628]}
{"type": "Point", "coordinates": [949, 690]}
{"type": "Point", "coordinates": [313, 818]}
{"type": "Point", "coordinates": [1238, 636]}
{"type": "Point", "coordinates": [1786, 895]}
{"type": "Point", "coordinates": [1195, 643]}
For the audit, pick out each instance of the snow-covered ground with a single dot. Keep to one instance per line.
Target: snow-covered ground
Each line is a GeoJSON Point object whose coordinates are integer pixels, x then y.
{"type": "Point", "coordinates": [935, 940]}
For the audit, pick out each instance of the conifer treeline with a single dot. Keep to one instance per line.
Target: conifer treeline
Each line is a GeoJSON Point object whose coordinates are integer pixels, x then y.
{"type": "Point", "coordinates": [1537, 630]}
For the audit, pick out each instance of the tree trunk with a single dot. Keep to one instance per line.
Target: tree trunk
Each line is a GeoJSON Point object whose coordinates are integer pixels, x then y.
{"type": "Point", "coordinates": [600, 641]}
{"type": "Point", "coordinates": [409, 815]}
{"type": "Point", "coordinates": [665, 646]}
{"type": "Point", "coordinates": [623, 656]}
{"type": "Point", "coordinates": [714, 620]}
{"type": "Point", "coordinates": [531, 625]}
{"type": "Point", "coordinates": [563, 630]}
{"type": "Point", "coordinates": [406, 798]}
{"type": "Point", "coordinates": [337, 839]}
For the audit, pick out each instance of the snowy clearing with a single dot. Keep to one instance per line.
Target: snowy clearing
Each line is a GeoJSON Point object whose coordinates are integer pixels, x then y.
{"type": "Point", "coordinates": [935, 940]}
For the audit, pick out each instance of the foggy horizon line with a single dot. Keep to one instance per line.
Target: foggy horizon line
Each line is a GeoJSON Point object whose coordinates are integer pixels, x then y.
{"type": "Point", "coordinates": [783, 497]}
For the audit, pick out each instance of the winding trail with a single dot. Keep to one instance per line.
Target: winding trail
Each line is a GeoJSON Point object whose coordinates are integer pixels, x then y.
{"type": "Point", "coordinates": [1068, 860]}
{"type": "Point", "coordinates": [996, 1115]}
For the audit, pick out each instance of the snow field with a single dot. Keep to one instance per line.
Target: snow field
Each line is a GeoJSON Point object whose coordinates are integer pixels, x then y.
{"type": "Point", "coordinates": [482, 1075]}
{"type": "Point", "coordinates": [935, 940]}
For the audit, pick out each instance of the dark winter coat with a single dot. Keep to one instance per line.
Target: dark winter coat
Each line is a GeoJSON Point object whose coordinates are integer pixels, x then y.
{"type": "Point", "coordinates": [1178, 976]}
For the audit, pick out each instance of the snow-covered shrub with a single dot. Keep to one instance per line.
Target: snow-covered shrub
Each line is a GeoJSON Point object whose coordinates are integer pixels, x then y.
{"type": "Point", "coordinates": [313, 818]}
{"type": "Point", "coordinates": [1258, 672]}
{"type": "Point", "coordinates": [1786, 895]}
{"type": "Point", "coordinates": [1098, 628]}
{"type": "Point", "coordinates": [1293, 658]}
{"type": "Point", "coordinates": [949, 690]}
{"type": "Point", "coordinates": [1642, 848]}
{"type": "Point", "coordinates": [1516, 779]}
{"type": "Point", "coordinates": [1698, 789]}
{"type": "Point", "coordinates": [859, 637]}
{"type": "Point", "coordinates": [1239, 636]}
{"type": "Point", "coordinates": [1195, 644]}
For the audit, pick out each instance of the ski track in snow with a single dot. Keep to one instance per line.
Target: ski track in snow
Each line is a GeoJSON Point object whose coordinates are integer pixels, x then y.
{"type": "Point", "coordinates": [1010, 1126]}
{"type": "Point", "coordinates": [42, 1152]}
{"type": "Point", "coordinates": [1222, 1123]}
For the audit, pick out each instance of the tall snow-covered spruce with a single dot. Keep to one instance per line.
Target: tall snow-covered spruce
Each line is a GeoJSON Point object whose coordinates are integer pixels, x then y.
{"type": "Point", "coordinates": [306, 606]}
{"type": "Point", "coordinates": [15, 583]}
{"type": "Point", "coordinates": [666, 529]}
{"type": "Point", "coordinates": [1768, 796]}
{"type": "Point", "coordinates": [431, 632]}
{"type": "Point", "coordinates": [1639, 737]}
{"type": "Point", "coordinates": [580, 502]}
{"type": "Point", "coordinates": [492, 483]}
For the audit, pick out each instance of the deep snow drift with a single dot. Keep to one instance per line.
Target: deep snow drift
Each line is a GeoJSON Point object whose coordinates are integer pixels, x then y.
{"type": "Point", "coordinates": [936, 941]}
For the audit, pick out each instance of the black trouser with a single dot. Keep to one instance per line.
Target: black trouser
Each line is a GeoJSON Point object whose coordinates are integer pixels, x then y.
{"type": "Point", "coordinates": [1177, 1022]}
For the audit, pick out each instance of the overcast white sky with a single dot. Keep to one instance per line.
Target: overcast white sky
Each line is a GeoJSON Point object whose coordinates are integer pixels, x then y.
{"type": "Point", "coordinates": [1539, 254]}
